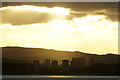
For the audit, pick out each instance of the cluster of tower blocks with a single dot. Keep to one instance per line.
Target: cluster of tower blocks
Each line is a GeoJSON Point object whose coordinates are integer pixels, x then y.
{"type": "Point", "coordinates": [54, 66]}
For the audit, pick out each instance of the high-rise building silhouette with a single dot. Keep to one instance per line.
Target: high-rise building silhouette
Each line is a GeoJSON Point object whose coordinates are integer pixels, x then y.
{"type": "Point", "coordinates": [65, 65]}
{"type": "Point", "coordinates": [73, 65]}
{"type": "Point", "coordinates": [54, 66]}
{"type": "Point", "coordinates": [47, 64]}
{"type": "Point", "coordinates": [80, 62]}
{"type": "Point", "coordinates": [36, 65]}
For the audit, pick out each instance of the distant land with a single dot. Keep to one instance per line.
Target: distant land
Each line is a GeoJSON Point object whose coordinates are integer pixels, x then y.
{"type": "Point", "coordinates": [39, 61]}
{"type": "Point", "coordinates": [41, 54]}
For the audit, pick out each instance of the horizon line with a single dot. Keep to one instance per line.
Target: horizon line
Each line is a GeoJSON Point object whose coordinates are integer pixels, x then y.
{"type": "Point", "coordinates": [60, 50]}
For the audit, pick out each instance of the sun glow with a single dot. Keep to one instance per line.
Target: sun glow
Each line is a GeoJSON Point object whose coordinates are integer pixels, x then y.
{"type": "Point", "coordinates": [77, 33]}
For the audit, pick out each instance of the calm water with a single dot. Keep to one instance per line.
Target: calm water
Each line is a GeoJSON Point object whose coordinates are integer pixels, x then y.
{"type": "Point", "coordinates": [57, 77]}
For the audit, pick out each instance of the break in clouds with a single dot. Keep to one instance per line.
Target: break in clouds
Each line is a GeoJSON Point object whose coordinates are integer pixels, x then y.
{"type": "Point", "coordinates": [25, 14]}
{"type": "Point", "coordinates": [75, 27]}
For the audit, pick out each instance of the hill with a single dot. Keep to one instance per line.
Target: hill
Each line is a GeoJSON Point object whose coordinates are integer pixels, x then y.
{"type": "Point", "coordinates": [40, 53]}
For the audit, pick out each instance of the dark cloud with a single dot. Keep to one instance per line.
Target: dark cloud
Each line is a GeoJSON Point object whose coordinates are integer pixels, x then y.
{"type": "Point", "coordinates": [24, 17]}
{"type": "Point", "coordinates": [77, 6]}
{"type": "Point", "coordinates": [29, 17]}
{"type": "Point", "coordinates": [113, 17]}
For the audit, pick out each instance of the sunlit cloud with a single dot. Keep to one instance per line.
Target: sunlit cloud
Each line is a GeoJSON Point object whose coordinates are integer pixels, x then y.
{"type": "Point", "coordinates": [58, 10]}
{"type": "Point", "coordinates": [57, 28]}
{"type": "Point", "coordinates": [23, 15]}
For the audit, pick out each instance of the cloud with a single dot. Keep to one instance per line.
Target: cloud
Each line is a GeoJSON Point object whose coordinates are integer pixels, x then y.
{"type": "Point", "coordinates": [27, 14]}
{"type": "Point", "coordinates": [23, 15]}
{"type": "Point", "coordinates": [110, 14]}
{"type": "Point", "coordinates": [113, 16]}
{"type": "Point", "coordinates": [48, 26]}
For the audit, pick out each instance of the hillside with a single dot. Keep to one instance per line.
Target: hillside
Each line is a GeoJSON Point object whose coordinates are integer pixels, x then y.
{"type": "Point", "coordinates": [39, 53]}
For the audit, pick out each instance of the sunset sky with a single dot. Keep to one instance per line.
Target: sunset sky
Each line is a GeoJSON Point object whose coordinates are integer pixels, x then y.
{"type": "Point", "coordinates": [86, 27]}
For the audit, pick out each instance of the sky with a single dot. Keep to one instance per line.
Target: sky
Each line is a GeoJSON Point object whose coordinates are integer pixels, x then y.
{"type": "Point", "coordinates": [81, 26]}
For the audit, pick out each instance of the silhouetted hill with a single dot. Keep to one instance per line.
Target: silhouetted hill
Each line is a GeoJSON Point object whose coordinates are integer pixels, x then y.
{"type": "Point", "coordinates": [40, 53]}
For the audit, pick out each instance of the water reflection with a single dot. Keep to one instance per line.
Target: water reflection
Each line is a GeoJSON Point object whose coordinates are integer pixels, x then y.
{"type": "Point", "coordinates": [55, 76]}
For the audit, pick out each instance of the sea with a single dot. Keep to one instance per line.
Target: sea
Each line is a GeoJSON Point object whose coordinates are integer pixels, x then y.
{"type": "Point", "coordinates": [58, 77]}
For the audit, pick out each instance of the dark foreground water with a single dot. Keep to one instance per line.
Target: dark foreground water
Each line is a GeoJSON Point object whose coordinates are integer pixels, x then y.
{"type": "Point", "coordinates": [57, 77]}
